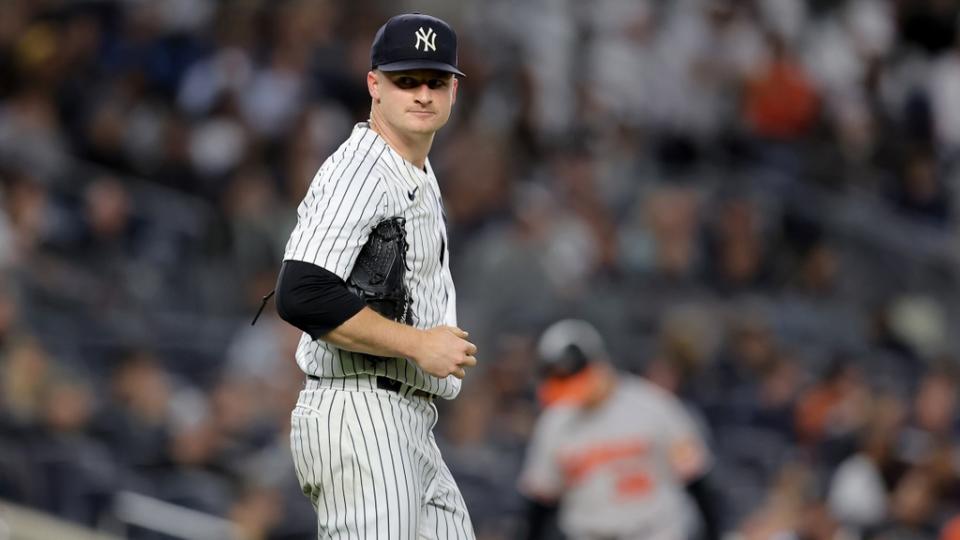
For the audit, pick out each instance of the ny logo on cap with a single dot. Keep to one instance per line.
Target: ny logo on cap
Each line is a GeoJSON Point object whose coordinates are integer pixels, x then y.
{"type": "Point", "coordinates": [429, 39]}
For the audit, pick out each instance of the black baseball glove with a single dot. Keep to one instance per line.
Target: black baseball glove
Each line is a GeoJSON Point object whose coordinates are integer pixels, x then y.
{"type": "Point", "coordinates": [377, 276]}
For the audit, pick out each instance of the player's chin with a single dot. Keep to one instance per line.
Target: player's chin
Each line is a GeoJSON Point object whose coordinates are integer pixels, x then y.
{"type": "Point", "coordinates": [426, 123]}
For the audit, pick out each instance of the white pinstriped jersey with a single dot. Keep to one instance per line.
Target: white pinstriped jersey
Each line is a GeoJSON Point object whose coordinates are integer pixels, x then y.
{"type": "Point", "coordinates": [362, 183]}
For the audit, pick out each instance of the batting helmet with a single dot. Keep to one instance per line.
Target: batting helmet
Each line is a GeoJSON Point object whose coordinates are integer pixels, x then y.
{"type": "Point", "coordinates": [566, 351]}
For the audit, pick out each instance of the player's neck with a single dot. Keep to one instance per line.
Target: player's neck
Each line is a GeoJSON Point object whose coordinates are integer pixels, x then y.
{"type": "Point", "coordinates": [412, 147]}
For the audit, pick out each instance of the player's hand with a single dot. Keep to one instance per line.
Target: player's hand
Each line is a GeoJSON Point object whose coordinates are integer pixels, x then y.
{"type": "Point", "coordinates": [444, 350]}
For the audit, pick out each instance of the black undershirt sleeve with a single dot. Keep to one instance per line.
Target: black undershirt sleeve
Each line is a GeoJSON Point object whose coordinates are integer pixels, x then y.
{"type": "Point", "coordinates": [541, 520]}
{"type": "Point", "coordinates": [701, 490]}
{"type": "Point", "coordinates": [313, 298]}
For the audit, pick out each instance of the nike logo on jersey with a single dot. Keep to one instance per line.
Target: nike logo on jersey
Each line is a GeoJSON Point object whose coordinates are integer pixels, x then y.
{"type": "Point", "coordinates": [413, 194]}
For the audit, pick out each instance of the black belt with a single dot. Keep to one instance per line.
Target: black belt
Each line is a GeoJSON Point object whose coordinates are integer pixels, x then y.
{"type": "Point", "coordinates": [393, 385]}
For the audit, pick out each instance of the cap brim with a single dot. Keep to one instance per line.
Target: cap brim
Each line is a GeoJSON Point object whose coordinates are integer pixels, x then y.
{"type": "Point", "coordinates": [407, 65]}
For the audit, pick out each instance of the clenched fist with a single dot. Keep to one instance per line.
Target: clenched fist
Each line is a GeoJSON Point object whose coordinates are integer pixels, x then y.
{"type": "Point", "coordinates": [444, 350]}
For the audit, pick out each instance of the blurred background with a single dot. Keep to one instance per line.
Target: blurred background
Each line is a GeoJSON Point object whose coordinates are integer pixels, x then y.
{"type": "Point", "coordinates": [754, 200]}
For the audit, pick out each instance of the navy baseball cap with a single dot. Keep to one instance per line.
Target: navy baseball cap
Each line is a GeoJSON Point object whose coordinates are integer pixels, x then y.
{"type": "Point", "coordinates": [415, 41]}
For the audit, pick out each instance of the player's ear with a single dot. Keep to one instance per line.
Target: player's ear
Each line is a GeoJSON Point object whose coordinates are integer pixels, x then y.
{"type": "Point", "coordinates": [456, 84]}
{"type": "Point", "coordinates": [373, 85]}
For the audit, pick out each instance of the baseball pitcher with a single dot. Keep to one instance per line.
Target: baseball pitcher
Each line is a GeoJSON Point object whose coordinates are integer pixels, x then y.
{"type": "Point", "coordinates": [366, 276]}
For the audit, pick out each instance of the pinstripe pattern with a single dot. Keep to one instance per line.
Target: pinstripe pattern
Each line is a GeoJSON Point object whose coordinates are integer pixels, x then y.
{"type": "Point", "coordinates": [368, 461]}
{"type": "Point", "coordinates": [362, 183]}
{"type": "Point", "coordinates": [366, 457]}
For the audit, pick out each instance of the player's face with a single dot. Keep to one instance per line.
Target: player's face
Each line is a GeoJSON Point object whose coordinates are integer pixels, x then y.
{"type": "Point", "coordinates": [416, 101]}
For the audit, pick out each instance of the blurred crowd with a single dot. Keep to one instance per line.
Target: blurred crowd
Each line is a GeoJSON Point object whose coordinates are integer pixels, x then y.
{"type": "Point", "coordinates": [755, 201]}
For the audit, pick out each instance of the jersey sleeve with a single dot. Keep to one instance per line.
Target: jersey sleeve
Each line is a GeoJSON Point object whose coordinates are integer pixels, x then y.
{"type": "Point", "coordinates": [685, 446]}
{"type": "Point", "coordinates": [450, 311]}
{"type": "Point", "coordinates": [541, 477]}
{"type": "Point", "coordinates": [335, 218]}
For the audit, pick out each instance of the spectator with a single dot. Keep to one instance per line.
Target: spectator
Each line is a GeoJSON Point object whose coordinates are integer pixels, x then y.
{"type": "Point", "coordinates": [75, 473]}
{"type": "Point", "coordinates": [912, 508]}
{"type": "Point", "coordinates": [831, 413]}
{"type": "Point", "coordinates": [861, 485]}
{"type": "Point", "coordinates": [920, 192]}
{"type": "Point", "coordinates": [781, 102]}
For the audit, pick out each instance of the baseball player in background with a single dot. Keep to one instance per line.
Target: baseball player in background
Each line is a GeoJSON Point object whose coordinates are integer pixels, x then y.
{"type": "Point", "coordinates": [366, 276]}
{"type": "Point", "coordinates": [612, 455]}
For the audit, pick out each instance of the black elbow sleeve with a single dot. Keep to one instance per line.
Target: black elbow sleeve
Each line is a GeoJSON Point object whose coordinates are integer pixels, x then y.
{"type": "Point", "coordinates": [541, 520]}
{"type": "Point", "coordinates": [314, 299]}
{"type": "Point", "coordinates": [701, 490]}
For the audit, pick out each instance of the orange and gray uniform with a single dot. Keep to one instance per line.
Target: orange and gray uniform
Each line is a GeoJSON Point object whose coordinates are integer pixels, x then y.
{"type": "Point", "coordinates": [618, 471]}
